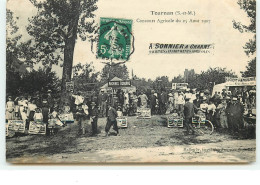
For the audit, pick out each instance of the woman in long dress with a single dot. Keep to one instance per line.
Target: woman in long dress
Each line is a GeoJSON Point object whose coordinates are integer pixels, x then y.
{"type": "Point", "coordinates": [222, 113]}
{"type": "Point", "coordinates": [10, 107]}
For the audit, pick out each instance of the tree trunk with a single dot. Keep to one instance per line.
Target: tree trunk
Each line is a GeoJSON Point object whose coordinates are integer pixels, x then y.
{"type": "Point", "coordinates": [69, 52]}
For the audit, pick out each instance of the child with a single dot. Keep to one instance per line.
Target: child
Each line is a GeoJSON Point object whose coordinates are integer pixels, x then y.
{"type": "Point", "coordinates": [119, 112]}
{"type": "Point", "coordinates": [54, 119]}
{"type": "Point", "coordinates": [38, 117]}
{"type": "Point", "coordinates": [125, 110]}
{"type": "Point", "coordinates": [80, 116]}
{"type": "Point", "coordinates": [175, 113]}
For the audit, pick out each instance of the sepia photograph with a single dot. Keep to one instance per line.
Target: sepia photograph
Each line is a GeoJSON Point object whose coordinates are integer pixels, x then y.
{"type": "Point", "coordinates": [98, 82]}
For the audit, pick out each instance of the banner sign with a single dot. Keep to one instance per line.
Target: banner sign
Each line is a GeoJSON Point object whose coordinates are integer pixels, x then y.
{"type": "Point", "coordinates": [66, 118]}
{"type": "Point", "coordinates": [121, 122]}
{"type": "Point", "coordinates": [174, 122]}
{"type": "Point", "coordinates": [249, 81]}
{"type": "Point", "coordinates": [70, 86]}
{"type": "Point", "coordinates": [144, 113]}
{"type": "Point", "coordinates": [17, 125]}
{"type": "Point", "coordinates": [123, 83]}
{"type": "Point", "coordinates": [180, 86]}
{"type": "Point", "coordinates": [37, 128]}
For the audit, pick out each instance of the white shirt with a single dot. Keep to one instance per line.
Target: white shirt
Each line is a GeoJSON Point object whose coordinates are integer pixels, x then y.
{"type": "Point", "coordinates": [78, 99]}
{"type": "Point", "coordinates": [85, 108]}
{"type": "Point", "coordinates": [212, 107]}
{"type": "Point", "coordinates": [38, 116]}
{"type": "Point", "coordinates": [180, 100]}
{"type": "Point", "coordinates": [204, 106]}
{"type": "Point", "coordinates": [193, 97]}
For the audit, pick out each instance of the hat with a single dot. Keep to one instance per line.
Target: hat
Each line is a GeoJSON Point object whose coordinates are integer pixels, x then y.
{"type": "Point", "coordinates": [152, 91]}
{"type": "Point", "coordinates": [204, 98]}
{"type": "Point", "coordinates": [187, 98]}
{"type": "Point", "coordinates": [93, 103]}
{"type": "Point", "coordinates": [206, 91]}
{"type": "Point", "coordinates": [170, 94]}
{"type": "Point", "coordinates": [234, 98]}
{"type": "Point", "coordinates": [49, 91]}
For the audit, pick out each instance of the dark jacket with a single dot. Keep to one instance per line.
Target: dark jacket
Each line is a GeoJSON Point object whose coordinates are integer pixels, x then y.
{"type": "Point", "coordinates": [188, 110]}
{"type": "Point", "coordinates": [153, 100]}
{"type": "Point", "coordinates": [164, 98]}
{"type": "Point", "coordinates": [93, 112]}
{"type": "Point", "coordinates": [111, 114]}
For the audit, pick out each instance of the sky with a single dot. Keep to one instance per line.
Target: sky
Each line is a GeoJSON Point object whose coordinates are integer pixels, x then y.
{"type": "Point", "coordinates": [228, 43]}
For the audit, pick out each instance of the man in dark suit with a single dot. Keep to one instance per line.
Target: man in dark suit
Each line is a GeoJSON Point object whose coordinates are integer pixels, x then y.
{"type": "Point", "coordinates": [94, 118]}
{"type": "Point", "coordinates": [164, 100]}
{"type": "Point", "coordinates": [111, 119]}
{"type": "Point", "coordinates": [188, 114]}
{"type": "Point", "coordinates": [153, 102]}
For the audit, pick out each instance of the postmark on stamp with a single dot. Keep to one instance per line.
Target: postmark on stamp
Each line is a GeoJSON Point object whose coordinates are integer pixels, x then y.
{"type": "Point", "coordinates": [115, 39]}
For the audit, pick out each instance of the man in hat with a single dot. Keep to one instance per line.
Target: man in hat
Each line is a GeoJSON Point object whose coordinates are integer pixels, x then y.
{"type": "Point", "coordinates": [204, 105]}
{"type": "Point", "coordinates": [180, 103]}
{"type": "Point", "coordinates": [188, 114]}
{"type": "Point", "coordinates": [143, 99]}
{"type": "Point", "coordinates": [164, 101]}
{"type": "Point", "coordinates": [152, 102]}
{"type": "Point", "coordinates": [93, 112]}
{"type": "Point", "coordinates": [103, 97]}
{"type": "Point", "coordinates": [111, 120]}
{"type": "Point", "coordinates": [235, 112]}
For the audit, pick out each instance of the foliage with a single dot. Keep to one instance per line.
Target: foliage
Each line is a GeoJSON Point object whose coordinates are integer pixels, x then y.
{"type": "Point", "coordinates": [55, 23]}
{"type": "Point", "coordinates": [55, 30]}
{"type": "Point", "coordinates": [85, 78]}
{"type": "Point", "coordinates": [249, 6]}
{"type": "Point", "coordinates": [250, 69]}
{"type": "Point", "coordinates": [161, 83]}
{"type": "Point", "coordinates": [142, 84]}
{"type": "Point", "coordinates": [31, 82]}
{"type": "Point", "coordinates": [207, 79]}
{"type": "Point", "coordinates": [114, 70]}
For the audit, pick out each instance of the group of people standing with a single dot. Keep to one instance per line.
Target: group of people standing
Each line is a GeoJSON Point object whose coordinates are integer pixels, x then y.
{"type": "Point", "coordinates": [225, 112]}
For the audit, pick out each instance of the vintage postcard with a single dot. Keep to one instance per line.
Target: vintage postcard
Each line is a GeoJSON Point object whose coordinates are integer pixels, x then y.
{"type": "Point", "coordinates": [130, 82]}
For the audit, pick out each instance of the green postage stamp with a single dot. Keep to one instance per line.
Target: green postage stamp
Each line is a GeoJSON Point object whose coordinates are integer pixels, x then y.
{"type": "Point", "coordinates": [115, 36]}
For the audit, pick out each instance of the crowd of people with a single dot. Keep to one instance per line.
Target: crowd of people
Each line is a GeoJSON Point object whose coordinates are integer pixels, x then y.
{"type": "Point", "coordinates": [224, 110]}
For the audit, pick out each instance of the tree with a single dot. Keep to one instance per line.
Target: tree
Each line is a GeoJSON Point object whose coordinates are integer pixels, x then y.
{"type": "Point", "coordinates": [15, 68]}
{"type": "Point", "coordinates": [85, 78]}
{"type": "Point", "coordinates": [178, 79]}
{"type": "Point", "coordinates": [249, 6]}
{"type": "Point", "coordinates": [207, 79]}
{"type": "Point", "coordinates": [161, 83]}
{"type": "Point", "coordinates": [112, 70]}
{"type": "Point", "coordinates": [56, 28]}
{"type": "Point", "coordinates": [142, 84]}
{"type": "Point", "coordinates": [40, 80]}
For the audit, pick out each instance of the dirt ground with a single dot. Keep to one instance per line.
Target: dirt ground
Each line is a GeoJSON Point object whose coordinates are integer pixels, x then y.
{"type": "Point", "coordinates": [145, 140]}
